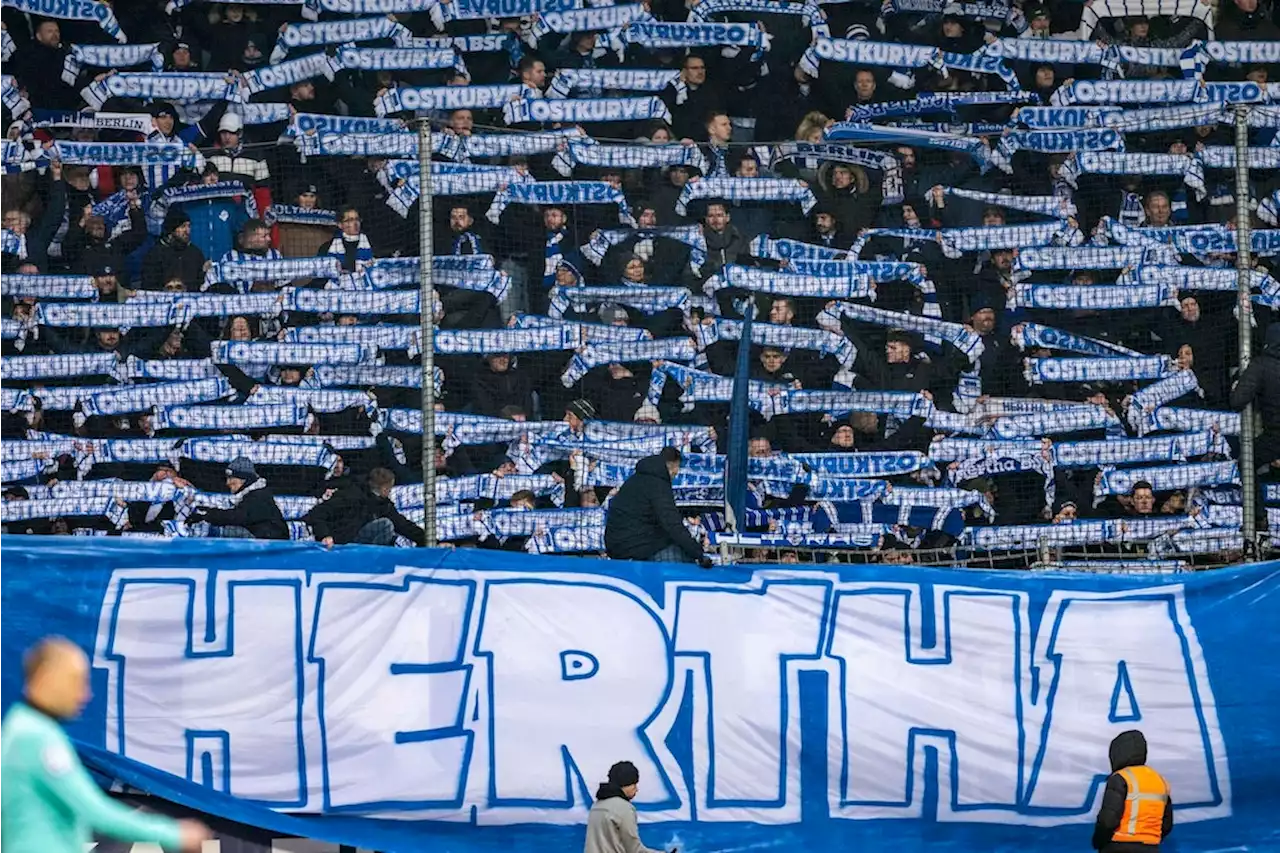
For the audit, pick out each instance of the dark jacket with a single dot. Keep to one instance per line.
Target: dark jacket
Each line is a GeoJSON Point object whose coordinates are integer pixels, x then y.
{"type": "Point", "coordinates": [257, 512]}
{"type": "Point", "coordinates": [347, 510]}
{"type": "Point", "coordinates": [1260, 384]}
{"type": "Point", "coordinates": [170, 258]}
{"type": "Point", "coordinates": [1128, 749]}
{"type": "Point", "coordinates": [642, 517]}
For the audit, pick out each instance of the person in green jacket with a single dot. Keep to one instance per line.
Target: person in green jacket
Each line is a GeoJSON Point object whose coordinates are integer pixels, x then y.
{"type": "Point", "coordinates": [48, 801]}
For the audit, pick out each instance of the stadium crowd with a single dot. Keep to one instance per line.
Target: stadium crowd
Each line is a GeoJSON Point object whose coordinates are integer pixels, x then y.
{"type": "Point", "coordinates": [989, 253]}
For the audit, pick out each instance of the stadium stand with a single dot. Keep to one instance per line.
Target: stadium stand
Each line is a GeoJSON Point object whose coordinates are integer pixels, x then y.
{"type": "Point", "coordinates": [991, 249]}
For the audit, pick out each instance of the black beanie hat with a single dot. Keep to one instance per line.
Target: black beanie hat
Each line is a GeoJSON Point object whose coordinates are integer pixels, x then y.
{"type": "Point", "coordinates": [623, 773]}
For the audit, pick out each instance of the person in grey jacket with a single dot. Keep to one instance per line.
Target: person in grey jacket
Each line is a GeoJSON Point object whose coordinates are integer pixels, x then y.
{"type": "Point", "coordinates": [611, 823]}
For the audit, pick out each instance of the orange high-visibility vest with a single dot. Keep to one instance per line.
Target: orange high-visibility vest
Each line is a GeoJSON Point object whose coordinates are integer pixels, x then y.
{"type": "Point", "coordinates": [1143, 817]}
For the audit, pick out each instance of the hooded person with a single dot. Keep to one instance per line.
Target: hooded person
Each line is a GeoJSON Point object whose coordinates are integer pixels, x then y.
{"type": "Point", "coordinates": [1260, 384]}
{"type": "Point", "coordinates": [253, 513]}
{"type": "Point", "coordinates": [174, 255]}
{"type": "Point", "coordinates": [643, 522]}
{"type": "Point", "coordinates": [1137, 811]}
{"type": "Point", "coordinates": [611, 824]}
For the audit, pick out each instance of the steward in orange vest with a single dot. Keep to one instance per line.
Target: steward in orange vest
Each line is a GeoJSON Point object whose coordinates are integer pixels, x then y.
{"type": "Point", "coordinates": [1136, 813]}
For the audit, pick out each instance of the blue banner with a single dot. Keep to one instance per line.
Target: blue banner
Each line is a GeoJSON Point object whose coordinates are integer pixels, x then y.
{"type": "Point", "coordinates": [477, 698]}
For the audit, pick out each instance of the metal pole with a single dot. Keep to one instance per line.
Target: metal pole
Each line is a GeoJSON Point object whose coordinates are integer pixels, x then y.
{"type": "Point", "coordinates": [1244, 264]}
{"type": "Point", "coordinates": [426, 311]}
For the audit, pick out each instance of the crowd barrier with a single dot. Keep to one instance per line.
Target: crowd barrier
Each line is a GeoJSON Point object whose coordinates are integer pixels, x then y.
{"type": "Point", "coordinates": [468, 701]}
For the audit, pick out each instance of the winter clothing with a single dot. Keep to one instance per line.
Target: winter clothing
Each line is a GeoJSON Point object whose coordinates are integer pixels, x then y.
{"type": "Point", "coordinates": [1260, 384]}
{"type": "Point", "coordinates": [611, 823]}
{"type": "Point", "coordinates": [642, 517]}
{"type": "Point", "coordinates": [345, 513]}
{"type": "Point", "coordinates": [1128, 754]}
{"type": "Point", "coordinates": [255, 510]}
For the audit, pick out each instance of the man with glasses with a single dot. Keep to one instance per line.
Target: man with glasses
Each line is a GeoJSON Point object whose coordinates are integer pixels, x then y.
{"type": "Point", "coordinates": [703, 98]}
{"type": "Point", "coordinates": [350, 245]}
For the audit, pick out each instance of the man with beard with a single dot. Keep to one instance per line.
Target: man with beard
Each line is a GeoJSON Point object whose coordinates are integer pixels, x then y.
{"type": "Point", "coordinates": [174, 256]}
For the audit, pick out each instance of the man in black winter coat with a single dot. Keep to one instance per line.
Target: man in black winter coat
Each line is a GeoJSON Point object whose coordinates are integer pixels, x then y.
{"type": "Point", "coordinates": [1260, 383]}
{"type": "Point", "coordinates": [363, 515]}
{"type": "Point", "coordinates": [174, 256]}
{"type": "Point", "coordinates": [254, 514]}
{"type": "Point", "coordinates": [643, 523]}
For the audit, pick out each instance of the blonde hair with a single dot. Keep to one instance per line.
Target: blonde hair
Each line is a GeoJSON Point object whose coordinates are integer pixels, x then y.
{"type": "Point", "coordinates": [811, 122]}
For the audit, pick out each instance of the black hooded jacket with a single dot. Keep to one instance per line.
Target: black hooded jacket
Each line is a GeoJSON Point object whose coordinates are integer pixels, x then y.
{"type": "Point", "coordinates": [1260, 383]}
{"type": "Point", "coordinates": [1128, 749]}
{"type": "Point", "coordinates": [643, 518]}
{"type": "Point", "coordinates": [257, 512]}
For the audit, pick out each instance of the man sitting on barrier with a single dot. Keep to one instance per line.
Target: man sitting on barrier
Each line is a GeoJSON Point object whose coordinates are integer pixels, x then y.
{"type": "Point", "coordinates": [643, 521]}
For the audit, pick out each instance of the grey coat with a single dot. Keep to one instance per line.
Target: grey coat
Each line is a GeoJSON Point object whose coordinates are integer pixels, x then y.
{"type": "Point", "coordinates": [612, 828]}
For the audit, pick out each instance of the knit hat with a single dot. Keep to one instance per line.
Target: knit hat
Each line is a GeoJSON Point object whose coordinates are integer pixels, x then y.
{"type": "Point", "coordinates": [623, 773]}
{"type": "Point", "coordinates": [174, 219]}
{"type": "Point", "coordinates": [241, 468]}
{"type": "Point", "coordinates": [582, 409]}
{"type": "Point", "coordinates": [163, 108]}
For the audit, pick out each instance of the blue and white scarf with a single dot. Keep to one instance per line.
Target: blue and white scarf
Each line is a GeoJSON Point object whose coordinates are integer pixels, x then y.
{"type": "Point", "coordinates": [747, 189]}
{"type": "Point", "coordinates": [223, 418]}
{"type": "Point", "coordinates": [384, 338]}
{"type": "Point", "coordinates": [373, 376]}
{"type": "Point", "coordinates": [596, 354]}
{"type": "Point", "coordinates": [110, 56]}
{"type": "Point", "coordinates": [170, 369]}
{"type": "Point", "coordinates": [1156, 92]}
{"type": "Point", "coordinates": [853, 285]}
{"type": "Point", "coordinates": [131, 122]}
{"type": "Point", "coordinates": [584, 110]}
{"type": "Point", "coordinates": [649, 300]}
{"type": "Point", "coordinates": [851, 131]}
{"type": "Point", "coordinates": [891, 181]}
{"type": "Point", "coordinates": [294, 215]}
{"type": "Point", "coordinates": [934, 102]}
{"type": "Point", "coordinates": [255, 353]}
{"type": "Point", "coordinates": [304, 123]}
{"type": "Point", "coordinates": [814, 17]}
{"type": "Point", "coordinates": [455, 342]}
{"type": "Point", "coordinates": [338, 32]}
{"type": "Point", "coordinates": [7, 47]}
{"type": "Point", "coordinates": [864, 53]}
{"type": "Point", "coordinates": [1142, 404]}
{"type": "Point", "coordinates": [1167, 478]}
{"type": "Point", "coordinates": [406, 98]}
{"type": "Point", "coordinates": [464, 10]}
{"type": "Point", "coordinates": [1115, 163]}
{"type": "Point", "coordinates": [14, 244]}
{"type": "Point", "coordinates": [1032, 335]}
{"type": "Point", "coordinates": [12, 96]}
{"type": "Point", "coordinates": [185, 87]}
{"type": "Point", "coordinates": [627, 156]}
{"type": "Point", "coordinates": [878, 272]}
{"type": "Point", "coordinates": [398, 58]}
{"type": "Point", "coordinates": [899, 404]}
{"type": "Point", "coordinates": [1047, 205]}
{"type": "Point", "coordinates": [1129, 451]}
{"type": "Point", "coordinates": [484, 146]}
{"type": "Point", "coordinates": [691, 235]}
{"type": "Point", "coordinates": [1190, 239]}
{"type": "Point", "coordinates": [559, 192]}
{"type": "Point", "coordinates": [277, 269]}
{"type": "Point", "coordinates": [597, 19]}
{"type": "Point", "coordinates": [1039, 371]}
{"type": "Point", "coordinates": [961, 337]}
{"type": "Point", "coordinates": [221, 305]}
{"type": "Point", "coordinates": [1193, 420]}
{"type": "Point", "coordinates": [955, 242]}
{"type": "Point", "coordinates": [73, 10]}
{"type": "Point", "coordinates": [364, 249]}
{"type": "Point", "coordinates": [1096, 297]}
{"type": "Point", "coordinates": [993, 463]}
{"type": "Point", "coordinates": [120, 315]}
{"type": "Point", "coordinates": [394, 145]}
{"type": "Point", "coordinates": [125, 154]}
{"type": "Point", "coordinates": [785, 337]}
{"type": "Point", "coordinates": [17, 286]}
{"type": "Point", "coordinates": [782, 249]}
{"type": "Point", "coordinates": [1201, 278]}
{"type": "Point", "coordinates": [976, 9]}
{"type": "Point", "coordinates": [290, 71]}
{"type": "Point", "coordinates": [143, 398]}
{"type": "Point", "coordinates": [1040, 424]}
{"type": "Point", "coordinates": [321, 400]}
{"type": "Point", "coordinates": [1069, 118]}
{"type": "Point", "coordinates": [664, 35]}
{"type": "Point", "coordinates": [568, 81]}
{"type": "Point", "coordinates": [1089, 258]}
{"type": "Point", "coordinates": [1057, 141]}
{"type": "Point", "coordinates": [49, 366]}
